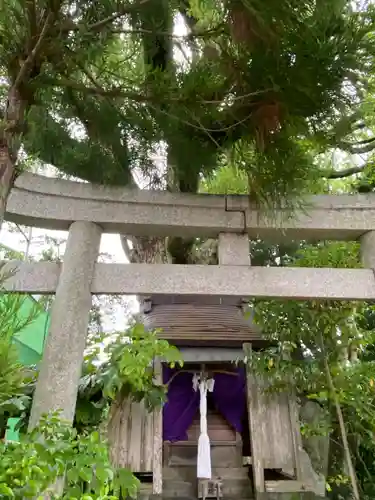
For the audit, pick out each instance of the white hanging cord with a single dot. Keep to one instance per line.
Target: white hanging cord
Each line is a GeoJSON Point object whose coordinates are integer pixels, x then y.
{"type": "Point", "coordinates": [196, 379]}
{"type": "Point", "coordinates": [204, 450]}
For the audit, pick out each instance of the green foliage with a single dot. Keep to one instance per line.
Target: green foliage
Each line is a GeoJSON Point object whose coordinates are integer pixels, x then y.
{"type": "Point", "coordinates": [125, 365]}
{"type": "Point", "coordinates": [130, 367]}
{"type": "Point", "coordinates": [309, 335]}
{"type": "Point", "coordinates": [92, 405]}
{"type": "Point", "coordinates": [227, 178]}
{"type": "Point", "coordinates": [10, 254]}
{"type": "Point", "coordinates": [53, 449]}
{"type": "Point", "coordinates": [305, 319]}
{"type": "Point", "coordinates": [127, 370]}
{"type": "Point", "coordinates": [298, 327]}
{"type": "Point", "coordinates": [14, 379]}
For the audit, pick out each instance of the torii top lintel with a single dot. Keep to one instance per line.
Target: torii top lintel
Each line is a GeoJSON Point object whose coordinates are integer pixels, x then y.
{"type": "Point", "coordinates": [51, 203]}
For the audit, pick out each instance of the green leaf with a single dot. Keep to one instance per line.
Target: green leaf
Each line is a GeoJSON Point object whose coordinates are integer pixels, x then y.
{"type": "Point", "coordinates": [73, 475]}
{"type": "Point", "coordinates": [103, 474]}
{"type": "Point", "coordinates": [94, 437]}
{"type": "Point", "coordinates": [5, 490]}
{"type": "Point", "coordinates": [86, 474]}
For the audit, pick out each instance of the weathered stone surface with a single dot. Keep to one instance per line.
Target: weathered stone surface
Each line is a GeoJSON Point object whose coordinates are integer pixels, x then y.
{"type": "Point", "coordinates": [30, 277]}
{"type": "Point", "coordinates": [235, 281]}
{"type": "Point", "coordinates": [307, 495]}
{"type": "Point", "coordinates": [316, 480]}
{"type": "Point", "coordinates": [54, 204]}
{"type": "Point", "coordinates": [368, 250]}
{"type": "Point", "coordinates": [317, 447]}
{"type": "Point", "coordinates": [232, 488]}
{"type": "Point", "coordinates": [61, 365]}
{"type": "Point", "coordinates": [234, 249]}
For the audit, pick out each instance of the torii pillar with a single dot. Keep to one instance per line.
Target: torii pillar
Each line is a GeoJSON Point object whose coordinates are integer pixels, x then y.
{"type": "Point", "coordinates": [61, 366]}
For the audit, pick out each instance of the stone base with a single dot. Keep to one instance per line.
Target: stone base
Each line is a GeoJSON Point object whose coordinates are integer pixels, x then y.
{"type": "Point", "coordinates": [181, 482]}
{"type": "Point", "coordinates": [210, 488]}
{"type": "Point", "coordinates": [163, 497]}
{"type": "Point", "coordinates": [307, 495]}
{"type": "Point", "coordinates": [261, 496]}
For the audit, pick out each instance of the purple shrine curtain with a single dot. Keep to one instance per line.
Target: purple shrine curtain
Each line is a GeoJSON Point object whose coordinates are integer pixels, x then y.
{"type": "Point", "coordinates": [181, 406]}
{"type": "Point", "coordinates": [229, 396]}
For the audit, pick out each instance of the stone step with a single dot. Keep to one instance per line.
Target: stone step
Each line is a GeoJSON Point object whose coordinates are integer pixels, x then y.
{"type": "Point", "coordinates": [164, 497]}
{"type": "Point", "coordinates": [146, 494]}
{"type": "Point", "coordinates": [189, 473]}
{"type": "Point", "coordinates": [177, 488]}
{"type": "Point", "coordinates": [232, 488]}
{"type": "Point", "coordinates": [182, 484]}
{"type": "Point", "coordinates": [223, 454]}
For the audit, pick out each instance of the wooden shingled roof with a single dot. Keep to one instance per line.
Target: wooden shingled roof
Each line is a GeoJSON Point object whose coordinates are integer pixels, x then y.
{"type": "Point", "coordinates": [201, 320]}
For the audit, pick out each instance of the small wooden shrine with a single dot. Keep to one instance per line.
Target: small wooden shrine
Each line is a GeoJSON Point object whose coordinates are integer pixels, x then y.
{"type": "Point", "coordinates": [254, 442]}
{"type": "Point", "coordinates": [210, 333]}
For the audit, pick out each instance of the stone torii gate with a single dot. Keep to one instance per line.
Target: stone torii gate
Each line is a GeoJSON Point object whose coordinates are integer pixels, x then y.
{"type": "Point", "coordinates": [87, 211]}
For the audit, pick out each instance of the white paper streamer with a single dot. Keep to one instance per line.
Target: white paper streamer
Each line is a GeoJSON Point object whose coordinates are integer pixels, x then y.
{"type": "Point", "coordinates": [204, 450]}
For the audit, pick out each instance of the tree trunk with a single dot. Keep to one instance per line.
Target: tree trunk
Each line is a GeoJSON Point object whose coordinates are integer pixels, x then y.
{"type": "Point", "coordinates": [10, 131]}
{"type": "Point", "coordinates": [144, 250]}
{"type": "Point", "coordinates": [6, 177]}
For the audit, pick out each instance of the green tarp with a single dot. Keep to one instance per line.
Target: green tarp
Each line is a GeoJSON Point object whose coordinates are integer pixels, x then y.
{"type": "Point", "coordinates": [30, 344]}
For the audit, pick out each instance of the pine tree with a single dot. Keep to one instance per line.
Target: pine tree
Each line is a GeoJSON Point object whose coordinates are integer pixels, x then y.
{"type": "Point", "coordinates": [268, 84]}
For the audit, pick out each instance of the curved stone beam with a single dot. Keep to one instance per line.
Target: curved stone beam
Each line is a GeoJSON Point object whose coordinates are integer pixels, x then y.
{"type": "Point", "coordinates": [54, 204]}
{"type": "Point", "coordinates": [230, 281]}
{"type": "Point", "coordinates": [51, 203]}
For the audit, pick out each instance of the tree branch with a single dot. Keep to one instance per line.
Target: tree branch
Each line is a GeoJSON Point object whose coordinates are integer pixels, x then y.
{"type": "Point", "coordinates": [70, 25]}
{"type": "Point", "coordinates": [80, 87]}
{"type": "Point", "coordinates": [358, 148]}
{"type": "Point", "coordinates": [344, 127]}
{"type": "Point", "coordinates": [340, 417]}
{"type": "Point", "coordinates": [113, 92]}
{"type": "Point", "coordinates": [122, 12]}
{"type": "Point", "coordinates": [341, 174]}
{"type": "Point", "coordinates": [31, 17]}
{"type": "Point", "coordinates": [192, 36]}
{"type": "Point", "coordinates": [191, 22]}
{"type": "Point", "coordinates": [30, 60]}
